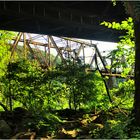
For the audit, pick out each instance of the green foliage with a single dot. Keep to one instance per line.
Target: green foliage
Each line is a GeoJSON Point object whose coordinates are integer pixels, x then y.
{"type": "Point", "coordinates": [123, 57]}
{"type": "Point", "coordinates": [114, 2]}
{"type": "Point", "coordinates": [5, 37]}
{"type": "Point", "coordinates": [82, 90]}
{"type": "Point", "coordinates": [66, 86]}
{"type": "Point", "coordinates": [22, 80]}
{"type": "Point", "coordinates": [123, 96]}
{"type": "Point", "coordinates": [123, 60]}
{"type": "Point", "coordinates": [115, 129]}
{"type": "Point", "coordinates": [135, 134]}
{"type": "Point", "coordinates": [71, 86]}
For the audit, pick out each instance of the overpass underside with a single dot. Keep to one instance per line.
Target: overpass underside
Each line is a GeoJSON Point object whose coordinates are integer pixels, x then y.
{"type": "Point", "coordinates": [69, 19]}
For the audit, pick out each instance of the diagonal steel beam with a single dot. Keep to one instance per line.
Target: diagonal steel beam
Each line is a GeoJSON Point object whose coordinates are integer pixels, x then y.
{"type": "Point", "coordinates": [15, 43]}
{"type": "Point", "coordinates": [100, 56]}
{"type": "Point", "coordinates": [43, 58]}
{"type": "Point", "coordinates": [93, 58]}
{"type": "Point", "coordinates": [57, 48]}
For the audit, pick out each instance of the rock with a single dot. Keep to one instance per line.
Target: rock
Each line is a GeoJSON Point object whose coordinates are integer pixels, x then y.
{"type": "Point", "coordinates": [6, 115]}
{"type": "Point", "coordinates": [5, 129]}
{"type": "Point", "coordinates": [24, 135]}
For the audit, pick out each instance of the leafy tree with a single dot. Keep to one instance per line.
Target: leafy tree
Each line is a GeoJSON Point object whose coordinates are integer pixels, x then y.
{"type": "Point", "coordinates": [133, 9]}
{"type": "Point", "coordinates": [123, 60]}
{"type": "Point", "coordinates": [82, 90]}
{"type": "Point", "coordinates": [5, 39]}
{"type": "Point", "coordinates": [22, 81]}
{"type": "Point", "coordinates": [124, 56]}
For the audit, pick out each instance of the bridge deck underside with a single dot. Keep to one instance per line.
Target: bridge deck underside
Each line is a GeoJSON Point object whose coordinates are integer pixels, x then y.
{"type": "Point", "coordinates": [71, 19]}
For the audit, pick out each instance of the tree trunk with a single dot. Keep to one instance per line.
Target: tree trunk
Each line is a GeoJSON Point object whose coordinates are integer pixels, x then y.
{"type": "Point", "coordinates": [70, 103]}
{"type": "Point", "coordinates": [137, 73]}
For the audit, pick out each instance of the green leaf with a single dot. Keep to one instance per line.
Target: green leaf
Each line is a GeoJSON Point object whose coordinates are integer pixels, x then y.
{"type": "Point", "coordinates": [109, 25]}
{"type": "Point", "coordinates": [103, 23]}
{"type": "Point", "coordinates": [130, 19]}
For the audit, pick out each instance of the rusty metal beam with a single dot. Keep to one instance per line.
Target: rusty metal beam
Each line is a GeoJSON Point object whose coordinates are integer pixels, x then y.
{"type": "Point", "coordinates": [78, 41]}
{"type": "Point", "coordinates": [100, 56]}
{"type": "Point", "coordinates": [106, 84]}
{"type": "Point", "coordinates": [83, 47]}
{"type": "Point", "coordinates": [15, 43]}
{"type": "Point", "coordinates": [55, 60]}
{"type": "Point", "coordinates": [35, 57]}
{"type": "Point", "coordinates": [49, 51]}
{"type": "Point", "coordinates": [24, 43]}
{"type": "Point", "coordinates": [36, 37]}
{"type": "Point", "coordinates": [93, 58]}
{"type": "Point", "coordinates": [31, 50]}
{"type": "Point", "coordinates": [32, 42]}
{"type": "Point", "coordinates": [57, 48]}
{"type": "Point", "coordinates": [79, 50]}
{"type": "Point", "coordinates": [110, 74]}
{"type": "Point", "coordinates": [43, 58]}
{"type": "Point", "coordinates": [42, 44]}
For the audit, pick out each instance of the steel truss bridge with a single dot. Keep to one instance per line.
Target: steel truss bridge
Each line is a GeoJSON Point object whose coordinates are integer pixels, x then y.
{"type": "Point", "coordinates": [63, 48]}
